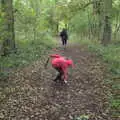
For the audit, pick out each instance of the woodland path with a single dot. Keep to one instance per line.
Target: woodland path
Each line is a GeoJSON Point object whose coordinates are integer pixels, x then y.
{"type": "Point", "coordinates": [31, 94]}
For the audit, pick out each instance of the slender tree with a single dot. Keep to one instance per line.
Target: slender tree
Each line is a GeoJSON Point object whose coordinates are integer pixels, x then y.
{"type": "Point", "coordinates": [8, 27]}
{"type": "Point", "coordinates": [104, 11]}
{"type": "Point", "coordinates": [107, 30]}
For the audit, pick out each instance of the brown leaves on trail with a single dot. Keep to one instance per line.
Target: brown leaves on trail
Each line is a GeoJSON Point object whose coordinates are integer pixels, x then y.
{"type": "Point", "coordinates": [31, 94]}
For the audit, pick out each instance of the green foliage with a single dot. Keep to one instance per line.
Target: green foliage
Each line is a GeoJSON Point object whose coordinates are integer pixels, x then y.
{"type": "Point", "coordinates": [110, 54]}
{"type": "Point", "coordinates": [28, 51]}
{"type": "Point", "coordinates": [33, 32]}
{"type": "Point", "coordinates": [34, 19]}
{"type": "Point", "coordinates": [79, 23]}
{"type": "Point", "coordinates": [115, 103]}
{"type": "Point", "coordinates": [82, 117]}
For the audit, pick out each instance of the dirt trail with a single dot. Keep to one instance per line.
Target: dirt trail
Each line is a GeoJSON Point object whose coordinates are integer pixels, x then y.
{"type": "Point", "coordinates": [31, 94]}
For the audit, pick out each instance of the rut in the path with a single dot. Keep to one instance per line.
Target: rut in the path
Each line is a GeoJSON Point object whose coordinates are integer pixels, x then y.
{"type": "Point", "coordinates": [30, 94]}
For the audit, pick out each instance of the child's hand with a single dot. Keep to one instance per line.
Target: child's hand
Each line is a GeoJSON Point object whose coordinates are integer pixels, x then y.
{"type": "Point", "coordinates": [65, 81]}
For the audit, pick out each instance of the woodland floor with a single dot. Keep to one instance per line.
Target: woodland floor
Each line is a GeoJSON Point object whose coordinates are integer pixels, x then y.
{"type": "Point", "coordinates": [31, 94]}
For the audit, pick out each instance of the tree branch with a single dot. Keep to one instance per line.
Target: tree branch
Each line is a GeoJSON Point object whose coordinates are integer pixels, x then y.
{"type": "Point", "coordinates": [89, 3]}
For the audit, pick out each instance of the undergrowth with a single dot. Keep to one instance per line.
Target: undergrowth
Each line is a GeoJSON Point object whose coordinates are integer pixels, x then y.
{"type": "Point", "coordinates": [27, 52]}
{"type": "Point", "coordinates": [111, 55]}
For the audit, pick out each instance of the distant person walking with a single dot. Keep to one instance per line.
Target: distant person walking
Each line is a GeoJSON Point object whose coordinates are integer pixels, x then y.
{"type": "Point", "coordinates": [64, 37]}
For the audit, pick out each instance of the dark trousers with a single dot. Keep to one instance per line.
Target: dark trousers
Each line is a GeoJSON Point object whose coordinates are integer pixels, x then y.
{"type": "Point", "coordinates": [60, 74]}
{"type": "Point", "coordinates": [64, 41]}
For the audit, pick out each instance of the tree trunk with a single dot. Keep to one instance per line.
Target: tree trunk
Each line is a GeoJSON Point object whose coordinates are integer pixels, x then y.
{"type": "Point", "coordinates": [96, 12]}
{"type": "Point", "coordinates": [116, 31]}
{"type": "Point", "coordinates": [103, 9]}
{"type": "Point", "coordinates": [107, 30]}
{"type": "Point", "coordinates": [8, 27]}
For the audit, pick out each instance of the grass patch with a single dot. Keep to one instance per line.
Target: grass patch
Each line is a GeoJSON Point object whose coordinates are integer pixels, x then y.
{"type": "Point", "coordinates": [27, 52]}
{"type": "Point", "coordinates": [110, 55]}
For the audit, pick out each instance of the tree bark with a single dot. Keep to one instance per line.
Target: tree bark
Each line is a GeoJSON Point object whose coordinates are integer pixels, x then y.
{"type": "Point", "coordinates": [103, 9]}
{"type": "Point", "coordinates": [107, 30]}
{"type": "Point", "coordinates": [8, 27]}
{"type": "Point", "coordinates": [97, 11]}
{"type": "Point", "coordinates": [116, 30]}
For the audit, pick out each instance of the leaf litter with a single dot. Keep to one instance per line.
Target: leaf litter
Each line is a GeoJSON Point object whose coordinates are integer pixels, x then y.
{"type": "Point", "coordinates": [31, 94]}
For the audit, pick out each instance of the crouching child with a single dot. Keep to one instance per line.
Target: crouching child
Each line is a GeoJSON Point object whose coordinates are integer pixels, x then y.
{"type": "Point", "coordinates": [61, 64]}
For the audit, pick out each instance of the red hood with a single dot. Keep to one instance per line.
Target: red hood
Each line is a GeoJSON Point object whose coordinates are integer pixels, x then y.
{"type": "Point", "coordinates": [69, 62]}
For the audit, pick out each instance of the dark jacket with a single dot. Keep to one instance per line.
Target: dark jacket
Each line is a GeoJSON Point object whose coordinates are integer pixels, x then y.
{"type": "Point", "coordinates": [64, 34]}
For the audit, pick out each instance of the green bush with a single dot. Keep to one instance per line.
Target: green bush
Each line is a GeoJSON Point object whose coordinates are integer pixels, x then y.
{"type": "Point", "coordinates": [27, 51]}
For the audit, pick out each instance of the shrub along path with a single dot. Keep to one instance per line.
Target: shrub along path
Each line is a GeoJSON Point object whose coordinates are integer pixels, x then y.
{"type": "Point", "coordinates": [31, 94]}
